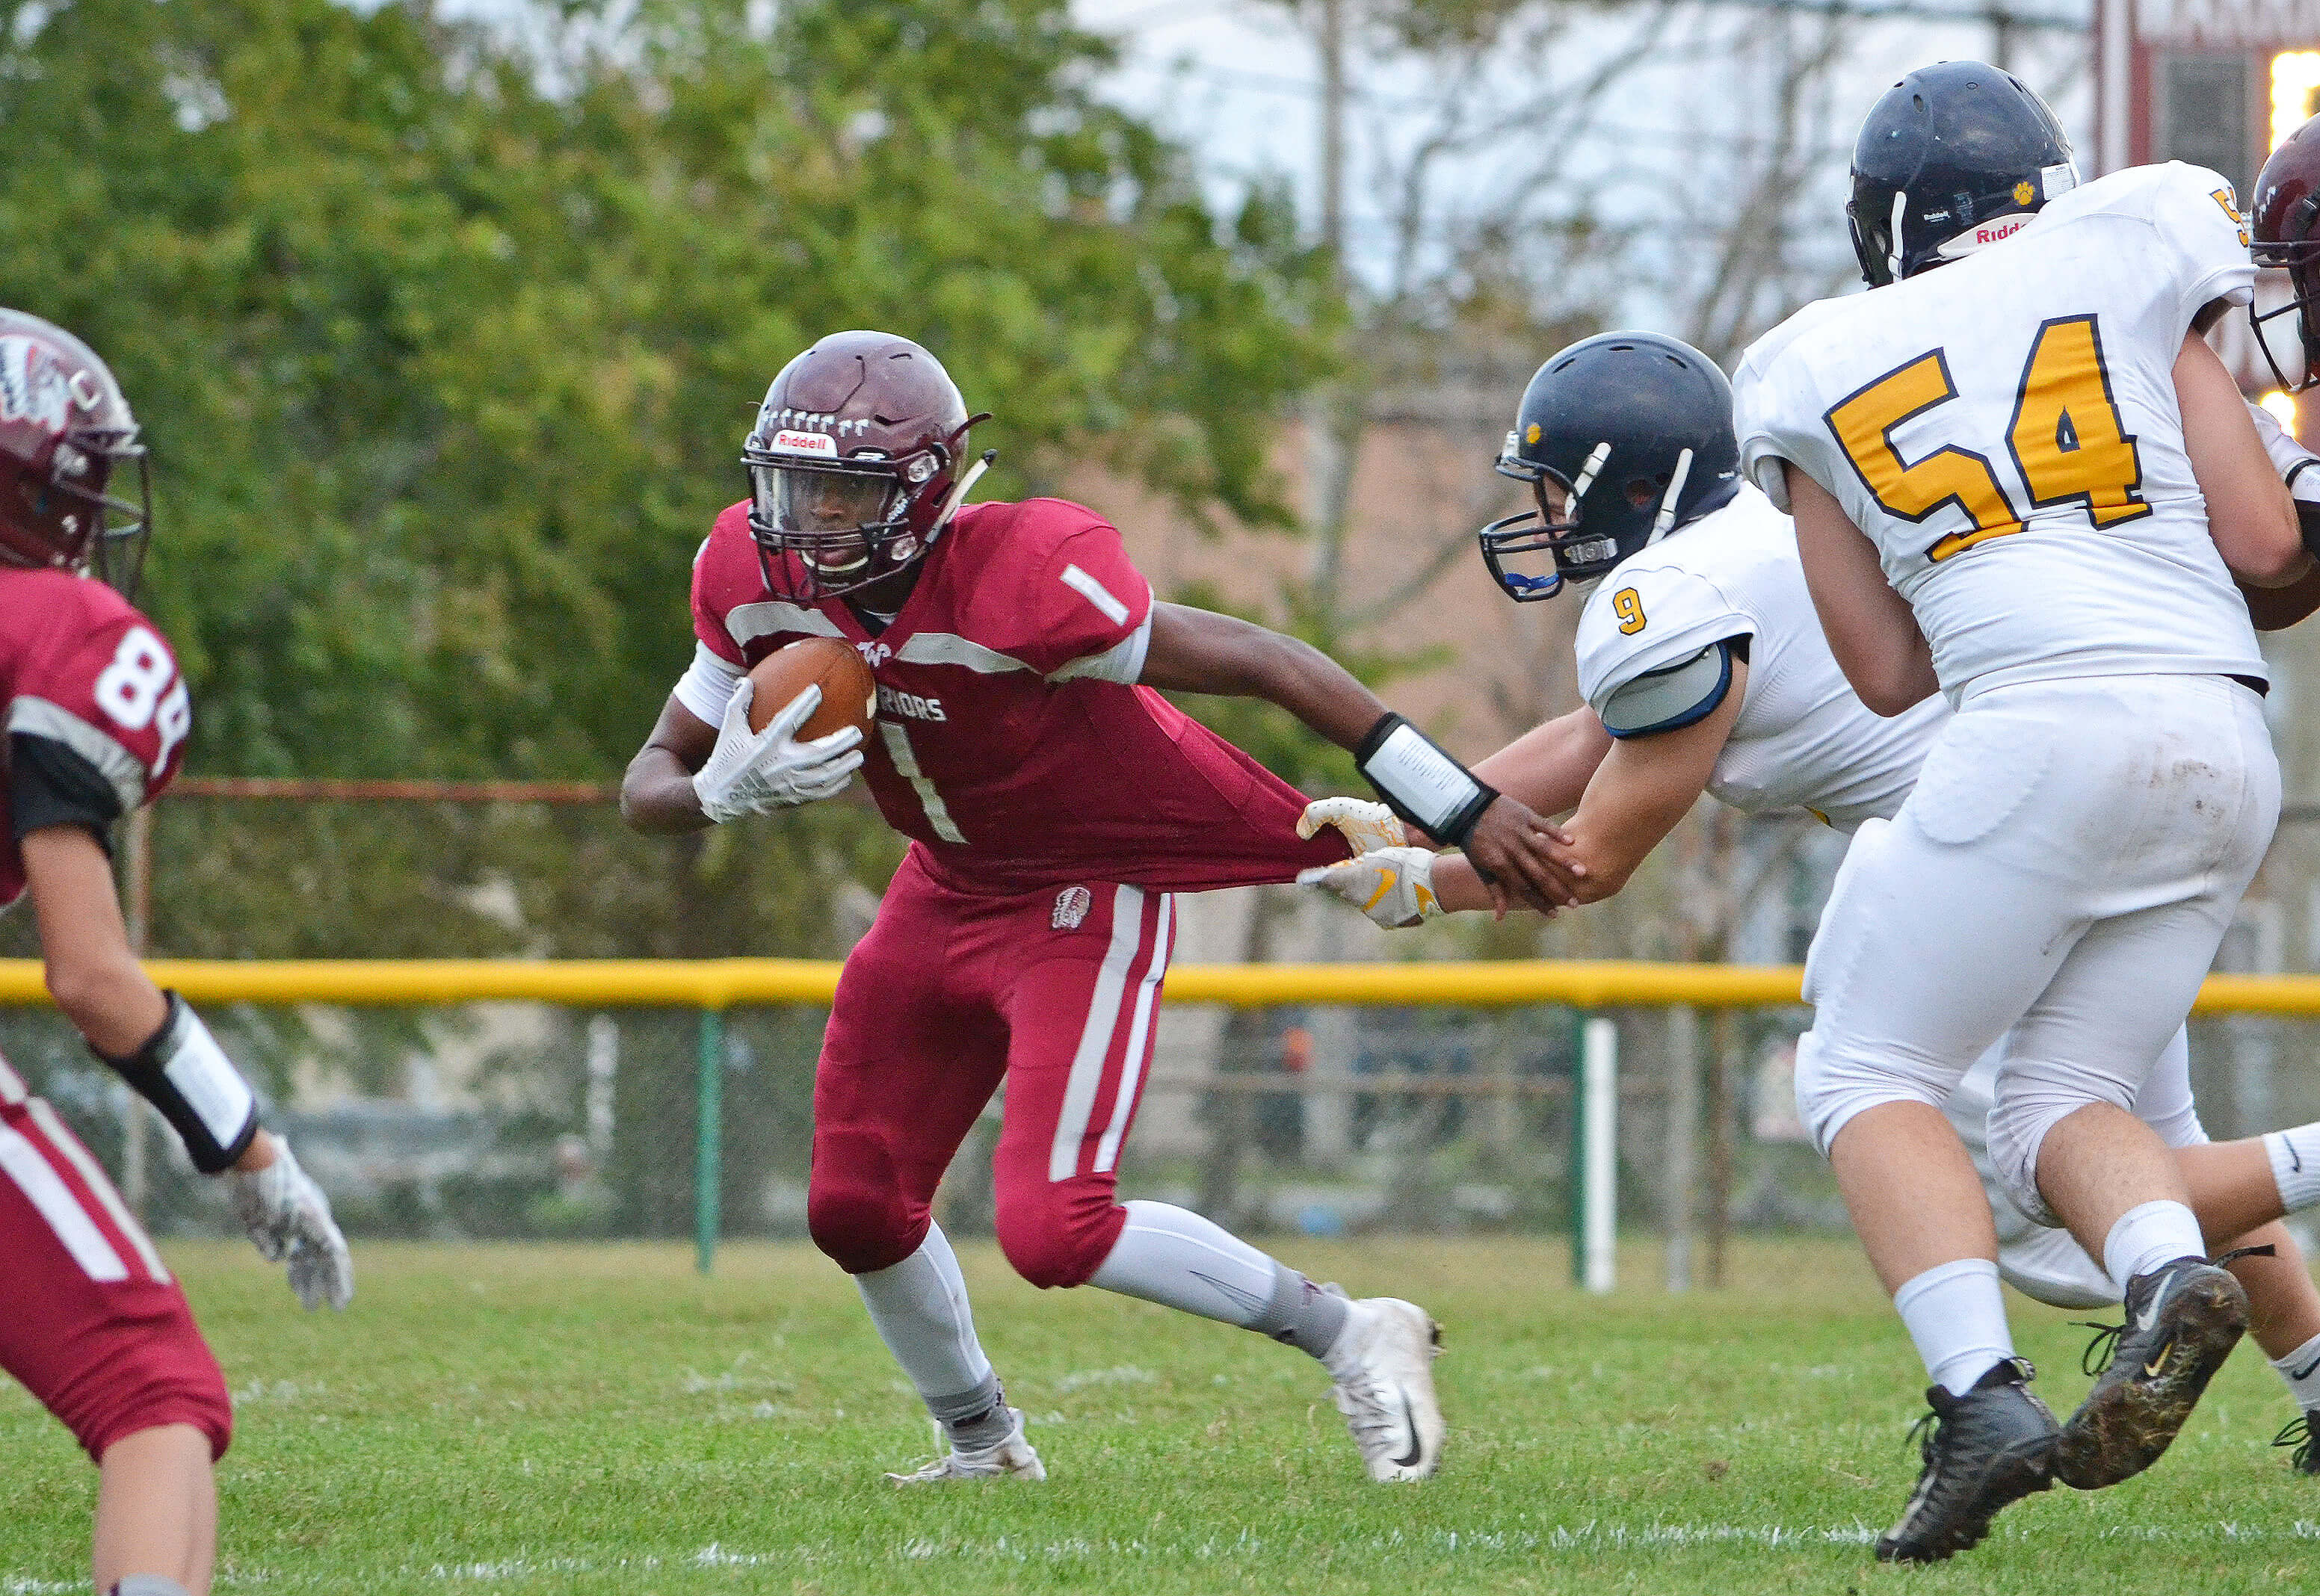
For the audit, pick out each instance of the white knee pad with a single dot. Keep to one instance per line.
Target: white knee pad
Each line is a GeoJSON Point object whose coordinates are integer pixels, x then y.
{"type": "Point", "coordinates": [2033, 1097]}
{"type": "Point", "coordinates": [2050, 1267]}
{"type": "Point", "coordinates": [1831, 1090]}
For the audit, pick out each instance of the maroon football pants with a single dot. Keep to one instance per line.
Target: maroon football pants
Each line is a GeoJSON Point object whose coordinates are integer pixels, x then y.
{"type": "Point", "coordinates": [90, 1321]}
{"type": "Point", "coordinates": [1055, 992]}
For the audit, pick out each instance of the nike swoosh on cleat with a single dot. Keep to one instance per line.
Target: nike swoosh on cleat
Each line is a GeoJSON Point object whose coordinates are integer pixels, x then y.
{"type": "Point", "coordinates": [1409, 1420]}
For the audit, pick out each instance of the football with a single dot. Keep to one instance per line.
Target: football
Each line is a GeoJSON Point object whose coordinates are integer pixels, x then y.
{"type": "Point", "coordinates": [849, 697]}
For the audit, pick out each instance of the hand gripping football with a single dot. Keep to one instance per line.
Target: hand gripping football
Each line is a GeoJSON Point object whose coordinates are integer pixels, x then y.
{"type": "Point", "coordinates": [849, 696]}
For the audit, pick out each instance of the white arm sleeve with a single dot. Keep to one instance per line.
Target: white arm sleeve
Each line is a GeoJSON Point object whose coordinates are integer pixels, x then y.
{"type": "Point", "coordinates": [708, 685]}
{"type": "Point", "coordinates": [1122, 662]}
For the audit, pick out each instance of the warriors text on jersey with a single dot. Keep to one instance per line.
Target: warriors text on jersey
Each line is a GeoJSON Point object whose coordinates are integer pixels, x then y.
{"type": "Point", "coordinates": [1802, 737]}
{"type": "Point", "coordinates": [2005, 429]}
{"type": "Point", "coordinates": [97, 713]}
{"type": "Point", "coordinates": [1011, 744]}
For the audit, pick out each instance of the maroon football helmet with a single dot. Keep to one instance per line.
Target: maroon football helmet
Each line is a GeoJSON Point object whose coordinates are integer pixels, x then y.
{"type": "Point", "coordinates": [2285, 220]}
{"type": "Point", "coordinates": [64, 431]}
{"type": "Point", "coordinates": [853, 464]}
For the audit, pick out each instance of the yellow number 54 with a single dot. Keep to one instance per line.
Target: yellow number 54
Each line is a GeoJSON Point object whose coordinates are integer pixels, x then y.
{"type": "Point", "coordinates": [2067, 438]}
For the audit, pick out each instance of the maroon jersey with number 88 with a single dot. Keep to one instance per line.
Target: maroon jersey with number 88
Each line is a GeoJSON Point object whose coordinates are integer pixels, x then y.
{"type": "Point", "coordinates": [81, 667]}
{"type": "Point", "coordinates": [1011, 744]}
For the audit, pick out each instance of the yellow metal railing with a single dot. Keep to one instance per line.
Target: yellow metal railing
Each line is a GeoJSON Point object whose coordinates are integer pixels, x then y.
{"type": "Point", "coordinates": [712, 986]}
{"type": "Point", "coordinates": [726, 983]}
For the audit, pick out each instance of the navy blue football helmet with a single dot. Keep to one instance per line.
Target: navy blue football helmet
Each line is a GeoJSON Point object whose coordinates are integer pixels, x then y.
{"type": "Point", "coordinates": [1634, 432]}
{"type": "Point", "coordinates": [1953, 157]}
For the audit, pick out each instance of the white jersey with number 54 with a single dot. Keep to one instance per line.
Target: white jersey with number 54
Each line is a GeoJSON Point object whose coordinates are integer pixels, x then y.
{"type": "Point", "coordinates": [2005, 429]}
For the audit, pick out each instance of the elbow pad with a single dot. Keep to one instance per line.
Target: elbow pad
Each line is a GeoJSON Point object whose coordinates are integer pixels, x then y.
{"type": "Point", "coordinates": [182, 1071]}
{"type": "Point", "coordinates": [1420, 782]}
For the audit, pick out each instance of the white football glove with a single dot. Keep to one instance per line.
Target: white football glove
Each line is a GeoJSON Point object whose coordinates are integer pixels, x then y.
{"type": "Point", "coordinates": [1395, 887]}
{"type": "Point", "coordinates": [2295, 464]}
{"type": "Point", "coordinates": [1367, 826]}
{"type": "Point", "coordinates": [757, 773]}
{"type": "Point", "coordinates": [289, 1218]}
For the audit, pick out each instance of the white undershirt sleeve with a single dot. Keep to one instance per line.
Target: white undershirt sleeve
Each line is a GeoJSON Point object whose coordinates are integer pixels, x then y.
{"type": "Point", "coordinates": [1122, 662]}
{"type": "Point", "coordinates": [708, 686]}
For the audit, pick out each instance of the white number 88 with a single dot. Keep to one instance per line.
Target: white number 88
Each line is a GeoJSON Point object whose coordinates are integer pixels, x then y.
{"type": "Point", "coordinates": [141, 681]}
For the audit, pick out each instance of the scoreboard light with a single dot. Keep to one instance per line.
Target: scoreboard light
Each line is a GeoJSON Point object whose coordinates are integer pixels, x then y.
{"type": "Point", "coordinates": [2295, 92]}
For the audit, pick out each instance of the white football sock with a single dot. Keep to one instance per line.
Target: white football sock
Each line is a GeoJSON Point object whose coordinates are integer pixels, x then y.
{"type": "Point", "coordinates": [919, 1307]}
{"type": "Point", "coordinates": [1173, 1256]}
{"type": "Point", "coordinates": [1957, 1317]}
{"type": "Point", "coordinates": [2150, 1234]}
{"type": "Point", "coordinates": [2295, 1166]}
{"type": "Point", "coordinates": [2301, 1370]}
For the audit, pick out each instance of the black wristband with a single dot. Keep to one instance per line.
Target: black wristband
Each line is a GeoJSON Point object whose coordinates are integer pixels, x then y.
{"type": "Point", "coordinates": [182, 1071]}
{"type": "Point", "coordinates": [1420, 782]}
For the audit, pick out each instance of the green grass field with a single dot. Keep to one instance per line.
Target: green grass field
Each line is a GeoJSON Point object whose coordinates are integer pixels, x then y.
{"type": "Point", "coordinates": [599, 1418]}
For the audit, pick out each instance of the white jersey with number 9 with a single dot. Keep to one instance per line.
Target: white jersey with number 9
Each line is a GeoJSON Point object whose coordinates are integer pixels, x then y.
{"type": "Point", "coordinates": [2005, 429]}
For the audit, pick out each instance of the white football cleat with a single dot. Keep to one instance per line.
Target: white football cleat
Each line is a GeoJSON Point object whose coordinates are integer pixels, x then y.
{"type": "Point", "coordinates": [1009, 1458]}
{"type": "Point", "coordinates": [1383, 1363]}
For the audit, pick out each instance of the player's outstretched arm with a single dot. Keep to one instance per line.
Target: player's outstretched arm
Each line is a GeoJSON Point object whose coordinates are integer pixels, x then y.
{"type": "Point", "coordinates": [1199, 651]}
{"type": "Point", "coordinates": [161, 1047]}
{"type": "Point", "coordinates": [2250, 513]}
{"type": "Point", "coordinates": [1871, 629]}
{"type": "Point", "coordinates": [1636, 790]}
{"type": "Point", "coordinates": [1549, 766]}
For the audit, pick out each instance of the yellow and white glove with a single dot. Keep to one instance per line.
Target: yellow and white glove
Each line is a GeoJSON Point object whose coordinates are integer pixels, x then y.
{"type": "Point", "coordinates": [1395, 887]}
{"type": "Point", "coordinates": [1367, 826]}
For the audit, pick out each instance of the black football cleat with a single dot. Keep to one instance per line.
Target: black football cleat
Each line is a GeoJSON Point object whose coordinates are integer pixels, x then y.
{"type": "Point", "coordinates": [2304, 1434]}
{"type": "Point", "coordinates": [1983, 1451]}
{"type": "Point", "coordinates": [2182, 1321]}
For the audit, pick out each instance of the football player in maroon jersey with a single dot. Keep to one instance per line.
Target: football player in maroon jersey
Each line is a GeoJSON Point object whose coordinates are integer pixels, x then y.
{"type": "Point", "coordinates": [90, 1320]}
{"type": "Point", "coordinates": [1054, 800]}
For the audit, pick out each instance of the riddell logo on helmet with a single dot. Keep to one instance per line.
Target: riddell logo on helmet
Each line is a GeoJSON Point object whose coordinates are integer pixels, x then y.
{"type": "Point", "coordinates": [786, 442]}
{"type": "Point", "coordinates": [32, 388]}
{"type": "Point", "coordinates": [2005, 226]}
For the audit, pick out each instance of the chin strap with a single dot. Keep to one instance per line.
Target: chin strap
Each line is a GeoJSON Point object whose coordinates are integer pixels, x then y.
{"type": "Point", "coordinates": [958, 491]}
{"type": "Point", "coordinates": [1666, 517]}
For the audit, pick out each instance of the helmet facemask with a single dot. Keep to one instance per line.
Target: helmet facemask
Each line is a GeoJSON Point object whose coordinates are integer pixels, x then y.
{"type": "Point", "coordinates": [1555, 536]}
{"type": "Point", "coordinates": [2297, 254]}
{"type": "Point", "coordinates": [826, 527]}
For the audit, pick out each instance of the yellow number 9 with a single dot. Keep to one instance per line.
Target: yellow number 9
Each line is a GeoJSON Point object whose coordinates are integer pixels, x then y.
{"type": "Point", "coordinates": [1628, 606]}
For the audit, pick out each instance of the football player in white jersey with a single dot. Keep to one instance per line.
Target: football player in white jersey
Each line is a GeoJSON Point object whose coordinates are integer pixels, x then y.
{"type": "Point", "coordinates": [1711, 614]}
{"type": "Point", "coordinates": [2025, 480]}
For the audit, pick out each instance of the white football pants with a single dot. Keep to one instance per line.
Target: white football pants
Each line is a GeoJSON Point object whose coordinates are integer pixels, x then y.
{"type": "Point", "coordinates": [2069, 860]}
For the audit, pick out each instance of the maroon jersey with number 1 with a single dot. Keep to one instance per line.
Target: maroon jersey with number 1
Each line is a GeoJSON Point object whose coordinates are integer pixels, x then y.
{"type": "Point", "coordinates": [1011, 744]}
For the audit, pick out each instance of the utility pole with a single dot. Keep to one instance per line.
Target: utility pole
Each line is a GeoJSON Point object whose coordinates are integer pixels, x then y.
{"type": "Point", "coordinates": [1328, 459]}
